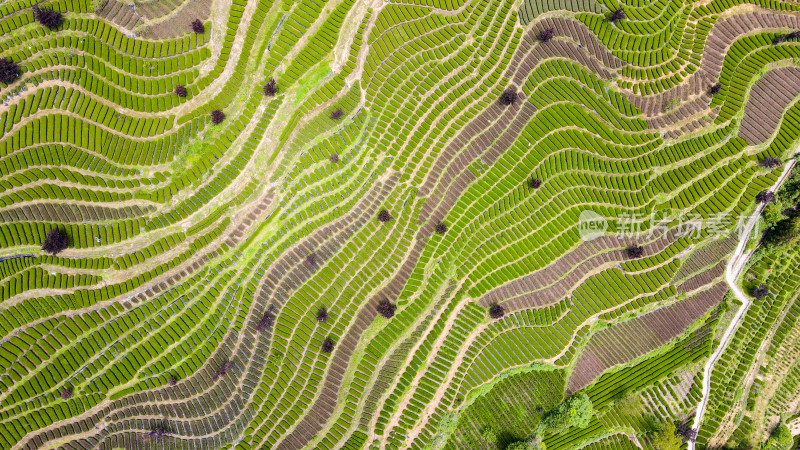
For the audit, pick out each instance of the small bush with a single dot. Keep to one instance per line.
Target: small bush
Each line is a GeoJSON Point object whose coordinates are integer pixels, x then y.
{"type": "Point", "coordinates": [55, 241]}
{"type": "Point", "coordinates": [384, 216]}
{"type": "Point", "coordinates": [616, 15]}
{"type": "Point", "coordinates": [441, 228]}
{"type": "Point", "coordinates": [386, 308]}
{"type": "Point", "coordinates": [181, 91]}
{"type": "Point", "coordinates": [9, 71]}
{"type": "Point", "coordinates": [48, 17]}
{"type": "Point", "coordinates": [271, 88]}
{"type": "Point", "coordinates": [322, 315]}
{"type": "Point", "coordinates": [496, 311]}
{"type": "Point", "coordinates": [760, 291]}
{"type": "Point", "coordinates": [509, 97]}
{"type": "Point", "coordinates": [327, 345]}
{"type": "Point", "coordinates": [546, 35]}
{"type": "Point", "coordinates": [634, 251]}
{"type": "Point", "coordinates": [217, 117]}
{"type": "Point", "coordinates": [765, 197]}
{"type": "Point", "coordinates": [534, 183]}
{"type": "Point", "coordinates": [337, 114]}
{"type": "Point", "coordinates": [715, 89]}
{"type": "Point", "coordinates": [198, 27]}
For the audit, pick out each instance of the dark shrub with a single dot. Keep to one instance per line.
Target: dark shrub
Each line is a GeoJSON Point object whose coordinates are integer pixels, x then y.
{"type": "Point", "coordinates": [337, 114]}
{"type": "Point", "coordinates": [534, 183]}
{"type": "Point", "coordinates": [770, 162]}
{"type": "Point", "coordinates": [715, 89]}
{"type": "Point", "coordinates": [322, 315]}
{"type": "Point", "coordinates": [271, 88]}
{"type": "Point", "coordinates": [66, 393]}
{"type": "Point", "coordinates": [616, 15]}
{"type": "Point", "coordinates": [334, 158]}
{"type": "Point", "coordinates": [9, 71]}
{"type": "Point", "coordinates": [55, 241]}
{"type": "Point", "coordinates": [198, 27]}
{"type": "Point", "coordinates": [496, 311]}
{"type": "Point", "coordinates": [48, 17]}
{"type": "Point", "coordinates": [181, 91]}
{"type": "Point", "coordinates": [509, 97]}
{"type": "Point", "coordinates": [760, 291]}
{"type": "Point", "coordinates": [687, 433]}
{"type": "Point", "coordinates": [386, 308]}
{"type": "Point", "coordinates": [384, 216]}
{"type": "Point", "coordinates": [327, 345]}
{"type": "Point", "coordinates": [217, 117]}
{"type": "Point", "coordinates": [441, 228]}
{"type": "Point", "coordinates": [546, 35]}
{"type": "Point", "coordinates": [765, 197]}
{"type": "Point", "coordinates": [634, 251]}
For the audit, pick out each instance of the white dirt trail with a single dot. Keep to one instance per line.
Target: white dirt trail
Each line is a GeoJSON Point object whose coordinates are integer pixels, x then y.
{"type": "Point", "coordinates": [732, 272]}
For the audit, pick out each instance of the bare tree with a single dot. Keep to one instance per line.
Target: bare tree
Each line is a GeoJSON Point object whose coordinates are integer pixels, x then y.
{"type": "Point", "coordinates": [159, 431]}
{"type": "Point", "coordinates": [181, 91]}
{"type": "Point", "coordinates": [760, 291]}
{"type": "Point", "coordinates": [334, 158]}
{"type": "Point", "coordinates": [715, 89]}
{"type": "Point", "coordinates": [770, 162]}
{"type": "Point", "coordinates": [223, 369]}
{"type": "Point", "coordinates": [173, 380]}
{"type": "Point", "coordinates": [441, 228]}
{"type": "Point", "coordinates": [266, 320]}
{"type": "Point", "coordinates": [337, 114]}
{"type": "Point", "coordinates": [66, 393]}
{"type": "Point", "coordinates": [765, 197]}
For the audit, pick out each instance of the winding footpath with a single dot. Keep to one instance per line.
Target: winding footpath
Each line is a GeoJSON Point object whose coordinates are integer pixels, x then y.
{"type": "Point", "coordinates": [732, 272]}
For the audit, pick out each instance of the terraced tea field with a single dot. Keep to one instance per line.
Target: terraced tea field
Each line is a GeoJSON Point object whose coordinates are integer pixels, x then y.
{"type": "Point", "coordinates": [384, 224]}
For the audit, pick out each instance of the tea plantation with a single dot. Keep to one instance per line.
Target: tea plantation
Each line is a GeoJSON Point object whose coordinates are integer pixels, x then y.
{"type": "Point", "coordinates": [386, 224]}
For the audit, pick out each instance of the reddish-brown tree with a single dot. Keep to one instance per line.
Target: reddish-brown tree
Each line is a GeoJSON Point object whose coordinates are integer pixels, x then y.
{"type": "Point", "coordinates": [327, 345]}
{"type": "Point", "coordinates": [55, 241]}
{"type": "Point", "coordinates": [386, 308]}
{"type": "Point", "coordinates": [198, 27]}
{"type": "Point", "coordinates": [217, 117]}
{"type": "Point", "coordinates": [496, 311]}
{"type": "Point", "coordinates": [9, 71]}
{"type": "Point", "coordinates": [48, 17]}
{"type": "Point", "coordinates": [271, 88]}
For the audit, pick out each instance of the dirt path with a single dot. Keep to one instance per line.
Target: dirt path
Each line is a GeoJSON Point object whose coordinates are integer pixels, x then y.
{"type": "Point", "coordinates": [732, 272]}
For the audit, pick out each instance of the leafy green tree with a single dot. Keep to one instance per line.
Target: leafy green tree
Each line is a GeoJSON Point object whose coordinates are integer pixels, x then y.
{"type": "Point", "coordinates": [666, 438]}
{"type": "Point", "coordinates": [780, 439]}
{"type": "Point", "coordinates": [488, 435]}
{"type": "Point", "coordinates": [576, 411]}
